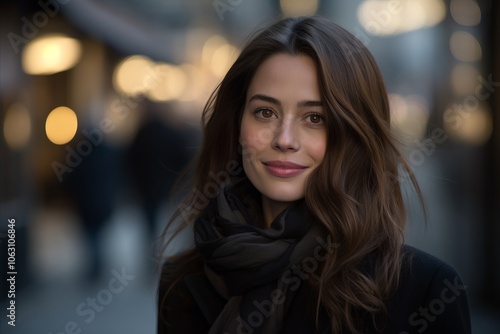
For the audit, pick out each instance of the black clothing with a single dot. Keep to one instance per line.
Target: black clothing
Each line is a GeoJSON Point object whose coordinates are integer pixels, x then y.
{"type": "Point", "coordinates": [254, 280]}
{"type": "Point", "coordinates": [250, 265]}
{"type": "Point", "coordinates": [431, 298]}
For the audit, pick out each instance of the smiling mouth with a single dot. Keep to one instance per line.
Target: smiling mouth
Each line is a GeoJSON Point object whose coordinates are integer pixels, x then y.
{"type": "Point", "coordinates": [283, 168]}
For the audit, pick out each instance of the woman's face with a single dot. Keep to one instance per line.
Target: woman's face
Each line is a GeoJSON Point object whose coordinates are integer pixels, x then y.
{"type": "Point", "coordinates": [283, 134]}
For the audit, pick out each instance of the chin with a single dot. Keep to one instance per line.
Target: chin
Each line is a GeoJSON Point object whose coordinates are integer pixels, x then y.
{"type": "Point", "coordinates": [280, 192]}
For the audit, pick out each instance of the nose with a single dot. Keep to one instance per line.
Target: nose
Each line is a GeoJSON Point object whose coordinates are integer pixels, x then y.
{"type": "Point", "coordinates": [285, 137]}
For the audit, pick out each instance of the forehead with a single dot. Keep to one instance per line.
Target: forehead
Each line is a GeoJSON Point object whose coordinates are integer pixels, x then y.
{"type": "Point", "coordinates": [286, 77]}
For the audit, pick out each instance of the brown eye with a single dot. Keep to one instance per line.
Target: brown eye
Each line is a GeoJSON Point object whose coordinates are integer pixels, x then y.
{"type": "Point", "coordinates": [265, 113]}
{"type": "Point", "coordinates": [315, 118]}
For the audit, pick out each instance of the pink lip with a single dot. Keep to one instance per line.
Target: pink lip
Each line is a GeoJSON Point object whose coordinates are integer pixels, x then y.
{"type": "Point", "coordinates": [283, 168]}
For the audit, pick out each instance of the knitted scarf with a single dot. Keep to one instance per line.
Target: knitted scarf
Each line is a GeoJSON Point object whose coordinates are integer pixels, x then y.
{"type": "Point", "coordinates": [254, 268]}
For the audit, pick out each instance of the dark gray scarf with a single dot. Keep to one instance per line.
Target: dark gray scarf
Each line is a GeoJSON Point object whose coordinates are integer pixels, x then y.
{"type": "Point", "coordinates": [253, 268]}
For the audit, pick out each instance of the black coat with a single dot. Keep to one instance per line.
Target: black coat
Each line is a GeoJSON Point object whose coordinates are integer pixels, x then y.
{"type": "Point", "coordinates": [431, 298]}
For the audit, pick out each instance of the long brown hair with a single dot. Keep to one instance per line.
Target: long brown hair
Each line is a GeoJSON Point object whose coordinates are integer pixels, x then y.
{"type": "Point", "coordinates": [355, 192]}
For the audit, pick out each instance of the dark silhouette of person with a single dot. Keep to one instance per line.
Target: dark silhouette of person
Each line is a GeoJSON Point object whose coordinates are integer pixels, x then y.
{"type": "Point", "coordinates": [94, 185]}
{"type": "Point", "coordinates": [161, 149]}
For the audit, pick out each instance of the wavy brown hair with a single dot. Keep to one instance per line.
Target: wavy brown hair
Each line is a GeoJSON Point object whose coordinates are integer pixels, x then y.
{"type": "Point", "coordinates": [355, 192]}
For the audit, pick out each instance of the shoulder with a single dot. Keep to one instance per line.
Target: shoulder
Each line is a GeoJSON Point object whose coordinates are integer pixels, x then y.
{"type": "Point", "coordinates": [177, 310]}
{"type": "Point", "coordinates": [420, 267]}
{"type": "Point", "coordinates": [431, 297]}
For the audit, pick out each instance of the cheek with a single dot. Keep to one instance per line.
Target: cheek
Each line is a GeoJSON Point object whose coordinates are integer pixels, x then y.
{"type": "Point", "coordinates": [254, 136]}
{"type": "Point", "coordinates": [318, 150]}
{"type": "Point", "coordinates": [248, 142]}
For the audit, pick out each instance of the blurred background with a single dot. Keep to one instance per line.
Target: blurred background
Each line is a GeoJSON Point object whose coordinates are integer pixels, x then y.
{"type": "Point", "coordinates": [99, 110]}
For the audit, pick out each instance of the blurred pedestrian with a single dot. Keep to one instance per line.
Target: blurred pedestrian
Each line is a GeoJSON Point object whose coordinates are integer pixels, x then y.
{"type": "Point", "coordinates": [157, 156]}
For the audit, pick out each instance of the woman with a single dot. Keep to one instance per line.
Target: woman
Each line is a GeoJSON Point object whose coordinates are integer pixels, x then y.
{"type": "Point", "coordinates": [296, 206]}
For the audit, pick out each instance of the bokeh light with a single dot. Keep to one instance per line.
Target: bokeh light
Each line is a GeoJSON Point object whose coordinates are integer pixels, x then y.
{"type": "Point", "coordinates": [209, 48]}
{"type": "Point", "coordinates": [465, 47]}
{"type": "Point", "coordinates": [384, 18]}
{"type": "Point", "coordinates": [196, 85]}
{"type": "Point", "coordinates": [134, 75]}
{"type": "Point", "coordinates": [17, 126]}
{"type": "Point", "coordinates": [51, 54]}
{"type": "Point", "coordinates": [218, 55]}
{"type": "Point", "coordinates": [465, 12]}
{"type": "Point", "coordinates": [299, 7]}
{"type": "Point", "coordinates": [409, 115]}
{"type": "Point", "coordinates": [223, 58]}
{"type": "Point", "coordinates": [169, 84]}
{"type": "Point", "coordinates": [470, 123]}
{"type": "Point", "coordinates": [61, 125]}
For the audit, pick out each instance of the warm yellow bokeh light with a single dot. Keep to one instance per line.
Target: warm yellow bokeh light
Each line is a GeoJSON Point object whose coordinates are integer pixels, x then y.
{"type": "Point", "coordinates": [223, 58]}
{"type": "Point", "coordinates": [134, 75]}
{"type": "Point", "coordinates": [61, 125]}
{"type": "Point", "coordinates": [471, 123]}
{"type": "Point", "coordinates": [170, 83]}
{"type": "Point", "coordinates": [209, 48]}
{"type": "Point", "coordinates": [218, 55]}
{"type": "Point", "coordinates": [409, 115]}
{"type": "Point", "coordinates": [465, 47]}
{"type": "Point", "coordinates": [435, 11]}
{"type": "Point", "coordinates": [465, 12]}
{"type": "Point", "coordinates": [17, 126]}
{"type": "Point", "coordinates": [382, 18]}
{"type": "Point", "coordinates": [196, 81]}
{"type": "Point", "coordinates": [299, 7]}
{"type": "Point", "coordinates": [51, 54]}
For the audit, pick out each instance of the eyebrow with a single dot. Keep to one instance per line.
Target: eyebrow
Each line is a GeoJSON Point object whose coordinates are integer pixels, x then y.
{"type": "Point", "coordinates": [277, 102]}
